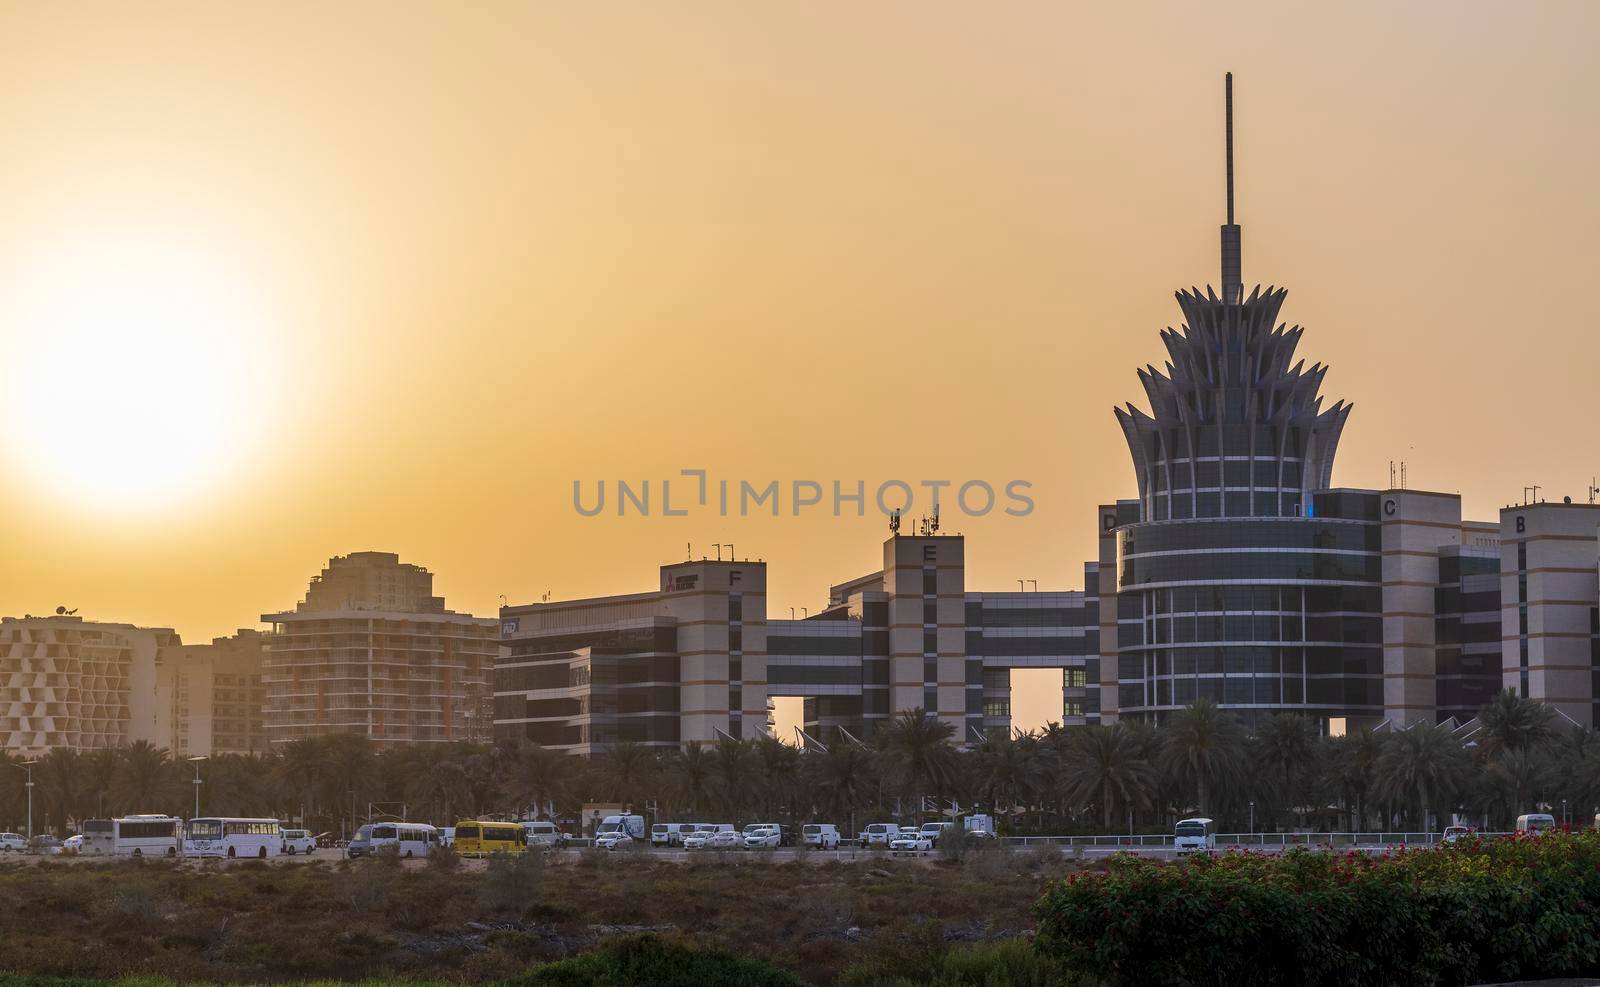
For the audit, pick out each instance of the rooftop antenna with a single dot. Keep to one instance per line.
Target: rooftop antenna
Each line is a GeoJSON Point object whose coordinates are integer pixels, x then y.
{"type": "Point", "coordinates": [1232, 282]}
{"type": "Point", "coordinates": [1594, 488]}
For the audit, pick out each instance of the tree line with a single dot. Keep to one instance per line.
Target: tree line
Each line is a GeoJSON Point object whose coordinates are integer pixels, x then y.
{"type": "Point", "coordinates": [1283, 775]}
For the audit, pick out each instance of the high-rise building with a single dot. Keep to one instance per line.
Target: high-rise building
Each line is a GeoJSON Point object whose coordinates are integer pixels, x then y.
{"type": "Point", "coordinates": [74, 683]}
{"type": "Point", "coordinates": [371, 650]}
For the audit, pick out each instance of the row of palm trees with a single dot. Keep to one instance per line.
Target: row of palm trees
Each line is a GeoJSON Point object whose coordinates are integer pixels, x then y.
{"type": "Point", "coordinates": [1203, 761]}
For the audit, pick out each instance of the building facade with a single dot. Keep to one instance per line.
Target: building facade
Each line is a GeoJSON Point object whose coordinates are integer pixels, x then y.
{"type": "Point", "coordinates": [70, 682]}
{"type": "Point", "coordinates": [218, 695]}
{"type": "Point", "coordinates": [700, 659]}
{"type": "Point", "coordinates": [371, 651]}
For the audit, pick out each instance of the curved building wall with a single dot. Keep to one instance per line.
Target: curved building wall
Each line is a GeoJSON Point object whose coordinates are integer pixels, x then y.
{"type": "Point", "coordinates": [1260, 615]}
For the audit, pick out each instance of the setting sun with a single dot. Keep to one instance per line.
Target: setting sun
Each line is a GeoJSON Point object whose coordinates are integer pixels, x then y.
{"type": "Point", "coordinates": [137, 376]}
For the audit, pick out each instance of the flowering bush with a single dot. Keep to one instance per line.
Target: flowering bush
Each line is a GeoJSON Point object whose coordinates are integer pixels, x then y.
{"type": "Point", "coordinates": [1481, 910]}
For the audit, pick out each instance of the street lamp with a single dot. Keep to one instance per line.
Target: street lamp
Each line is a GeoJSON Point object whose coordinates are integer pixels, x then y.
{"type": "Point", "coordinates": [28, 767]}
{"type": "Point", "coordinates": [1252, 818]}
{"type": "Point", "coordinates": [196, 762]}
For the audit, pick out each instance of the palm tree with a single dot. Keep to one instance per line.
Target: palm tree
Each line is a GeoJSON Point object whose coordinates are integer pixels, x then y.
{"type": "Point", "coordinates": [1515, 775]}
{"type": "Point", "coordinates": [1349, 770]}
{"type": "Point", "coordinates": [539, 777]}
{"type": "Point", "coordinates": [1009, 773]}
{"type": "Point", "coordinates": [299, 770]}
{"type": "Point", "coordinates": [693, 775]}
{"type": "Point", "coordinates": [439, 790]}
{"type": "Point", "coordinates": [1511, 722]}
{"type": "Point", "coordinates": [1422, 767]}
{"type": "Point", "coordinates": [348, 773]}
{"type": "Point", "coordinates": [1287, 751]}
{"type": "Point", "coordinates": [627, 764]}
{"type": "Point", "coordinates": [61, 792]}
{"type": "Point", "coordinates": [1204, 744]}
{"type": "Point", "coordinates": [143, 782]}
{"type": "Point", "coordinates": [1104, 766]}
{"type": "Point", "coordinates": [780, 774]}
{"type": "Point", "coordinates": [735, 767]}
{"type": "Point", "coordinates": [918, 753]}
{"type": "Point", "coordinates": [13, 792]}
{"type": "Point", "coordinates": [839, 776]}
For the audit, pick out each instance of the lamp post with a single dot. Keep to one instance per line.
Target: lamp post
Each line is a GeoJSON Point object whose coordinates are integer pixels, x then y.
{"type": "Point", "coordinates": [196, 762]}
{"type": "Point", "coordinates": [1252, 818]}
{"type": "Point", "coordinates": [1566, 822]}
{"type": "Point", "coordinates": [28, 767]}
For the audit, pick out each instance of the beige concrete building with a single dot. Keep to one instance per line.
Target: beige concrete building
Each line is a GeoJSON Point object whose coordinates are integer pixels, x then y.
{"type": "Point", "coordinates": [1416, 526]}
{"type": "Point", "coordinates": [371, 650]}
{"type": "Point", "coordinates": [218, 695]}
{"type": "Point", "coordinates": [70, 682]}
{"type": "Point", "coordinates": [700, 658]}
{"type": "Point", "coordinates": [686, 662]}
{"type": "Point", "coordinates": [1550, 605]}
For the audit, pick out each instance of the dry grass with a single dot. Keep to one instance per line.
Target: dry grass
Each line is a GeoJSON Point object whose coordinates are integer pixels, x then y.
{"type": "Point", "coordinates": [254, 922]}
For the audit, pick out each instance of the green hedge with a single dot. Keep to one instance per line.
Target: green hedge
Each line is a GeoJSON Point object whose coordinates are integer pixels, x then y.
{"type": "Point", "coordinates": [650, 959]}
{"type": "Point", "coordinates": [1480, 911]}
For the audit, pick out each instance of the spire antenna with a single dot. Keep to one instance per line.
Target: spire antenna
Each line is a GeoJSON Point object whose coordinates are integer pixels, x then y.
{"type": "Point", "coordinates": [1228, 91]}
{"type": "Point", "coordinates": [1232, 280]}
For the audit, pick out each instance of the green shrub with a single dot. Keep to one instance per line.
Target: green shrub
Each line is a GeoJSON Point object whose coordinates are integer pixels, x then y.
{"type": "Point", "coordinates": [512, 881]}
{"type": "Point", "coordinates": [649, 959]}
{"type": "Point", "coordinates": [443, 858]}
{"type": "Point", "coordinates": [908, 953]}
{"type": "Point", "coordinates": [1479, 911]}
{"type": "Point", "coordinates": [953, 845]}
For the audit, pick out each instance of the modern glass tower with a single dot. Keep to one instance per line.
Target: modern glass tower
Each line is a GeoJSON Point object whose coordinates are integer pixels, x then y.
{"type": "Point", "coordinates": [1242, 579]}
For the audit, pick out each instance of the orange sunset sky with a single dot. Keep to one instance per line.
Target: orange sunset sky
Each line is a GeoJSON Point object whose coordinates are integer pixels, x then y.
{"type": "Point", "coordinates": [284, 281]}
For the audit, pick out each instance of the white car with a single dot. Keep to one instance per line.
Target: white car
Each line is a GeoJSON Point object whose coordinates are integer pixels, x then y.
{"type": "Point", "coordinates": [913, 842]}
{"type": "Point", "coordinates": [722, 839]}
{"type": "Point", "coordinates": [765, 838]}
{"type": "Point", "coordinates": [934, 831]}
{"type": "Point", "coordinates": [1453, 834]}
{"type": "Point", "coordinates": [72, 844]}
{"type": "Point", "coordinates": [614, 840]}
{"type": "Point", "coordinates": [13, 843]}
{"type": "Point", "coordinates": [822, 836]}
{"type": "Point", "coordinates": [299, 841]}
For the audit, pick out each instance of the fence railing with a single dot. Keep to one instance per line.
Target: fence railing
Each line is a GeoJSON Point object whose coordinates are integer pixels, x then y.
{"type": "Point", "coordinates": [1245, 840]}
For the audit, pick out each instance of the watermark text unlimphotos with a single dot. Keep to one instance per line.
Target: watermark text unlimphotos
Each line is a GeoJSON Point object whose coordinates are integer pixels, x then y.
{"type": "Point", "coordinates": [694, 492]}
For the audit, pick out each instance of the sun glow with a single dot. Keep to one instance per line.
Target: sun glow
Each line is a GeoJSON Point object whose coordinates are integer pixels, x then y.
{"type": "Point", "coordinates": [137, 373]}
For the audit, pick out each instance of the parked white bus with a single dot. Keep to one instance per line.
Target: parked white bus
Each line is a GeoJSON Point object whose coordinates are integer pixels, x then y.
{"type": "Point", "coordinates": [132, 836]}
{"type": "Point", "coordinates": [408, 839]}
{"type": "Point", "coordinates": [228, 837]}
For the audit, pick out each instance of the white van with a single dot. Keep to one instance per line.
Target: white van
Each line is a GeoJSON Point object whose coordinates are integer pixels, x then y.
{"type": "Point", "coordinates": [1194, 834]}
{"type": "Point", "coordinates": [670, 834]}
{"type": "Point", "coordinates": [822, 836]}
{"type": "Point", "coordinates": [543, 834]}
{"type": "Point", "coordinates": [1534, 823]}
{"type": "Point", "coordinates": [934, 830]}
{"type": "Point", "coordinates": [298, 841]}
{"type": "Point", "coordinates": [879, 834]}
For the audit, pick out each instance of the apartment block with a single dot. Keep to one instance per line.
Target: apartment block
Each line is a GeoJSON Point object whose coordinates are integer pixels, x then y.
{"type": "Point", "coordinates": [69, 682]}
{"type": "Point", "coordinates": [218, 695]}
{"type": "Point", "coordinates": [371, 651]}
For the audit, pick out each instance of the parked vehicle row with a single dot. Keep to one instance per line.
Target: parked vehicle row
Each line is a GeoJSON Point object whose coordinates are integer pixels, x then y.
{"type": "Point", "coordinates": [233, 837]}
